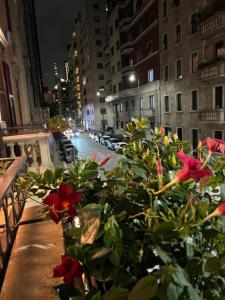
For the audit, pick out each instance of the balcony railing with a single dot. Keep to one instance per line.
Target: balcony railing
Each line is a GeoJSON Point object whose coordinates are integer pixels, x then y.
{"type": "Point", "coordinates": [213, 25]}
{"type": "Point", "coordinates": [216, 69]}
{"type": "Point", "coordinates": [38, 148]}
{"type": "Point", "coordinates": [127, 47]}
{"type": "Point", "coordinates": [212, 116]}
{"type": "Point", "coordinates": [12, 202]}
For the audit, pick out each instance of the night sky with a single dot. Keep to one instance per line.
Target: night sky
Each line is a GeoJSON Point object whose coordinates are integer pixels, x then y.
{"type": "Point", "coordinates": [54, 23]}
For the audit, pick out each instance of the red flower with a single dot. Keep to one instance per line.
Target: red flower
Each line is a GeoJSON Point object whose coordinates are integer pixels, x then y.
{"type": "Point", "coordinates": [62, 203]}
{"type": "Point", "coordinates": [192, 168]}
{"type": "Point", "coordinates": [214, 145]}
{"type": "Point", "coordinates": [69, 269]}
{"type": "Point", "coordinates": [103, 161]}
{"type": "Point", "coordinates": [162, 130]}
{"type": "Point", "coordinates": [159, 168]}
{"type": "Point", "coordinates": [94, 156]}
{"type": "Point", "coordinates": [218, 212]}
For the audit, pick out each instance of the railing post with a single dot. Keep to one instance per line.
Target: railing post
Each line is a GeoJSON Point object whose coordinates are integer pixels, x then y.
{"type": "Point", "coordinates": [2, 146]}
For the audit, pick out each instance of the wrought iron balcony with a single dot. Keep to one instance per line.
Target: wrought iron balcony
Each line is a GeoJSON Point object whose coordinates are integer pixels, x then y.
{"type": "Point", "coordinates": [213, 25]}
{"type": "Point", "coordinates": [127, 47]}
{"type": "Point", "coordinates": [210, 71]}
{"type": "Point", "coordinates": [212, 116]}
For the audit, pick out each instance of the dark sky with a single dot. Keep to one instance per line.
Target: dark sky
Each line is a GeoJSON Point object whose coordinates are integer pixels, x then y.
{"type": "Point", "coordinates": [54, 23]}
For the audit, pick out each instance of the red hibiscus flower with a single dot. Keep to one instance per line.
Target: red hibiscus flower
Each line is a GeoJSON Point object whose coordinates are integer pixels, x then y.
{"type": "Point", "coordinates": [218, 212]}
{"type": "Point", "coordinates": [214, 145]}
{"type": "Point", "coordinates": [192, 168]}
{"type": "Point", "coordinates": [69, 269]}
{"type": "Point", "coordinates": [103, 161]}
{"type": "Point", "coordinates": [62, 203]}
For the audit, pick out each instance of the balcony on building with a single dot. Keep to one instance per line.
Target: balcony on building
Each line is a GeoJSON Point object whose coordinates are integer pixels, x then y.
{"type": "Point", "coordinates": [213, 25]}
{"type": "Point", "coordinates": [212, 116]}
{"type": "Point", "coordinates": [212, 70]}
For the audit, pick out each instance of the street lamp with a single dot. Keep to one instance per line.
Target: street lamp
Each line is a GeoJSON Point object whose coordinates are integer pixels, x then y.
{"type": "Point", "coordinates": [103, 120]}
{"type": "Point", "coordinates": [133, 78]}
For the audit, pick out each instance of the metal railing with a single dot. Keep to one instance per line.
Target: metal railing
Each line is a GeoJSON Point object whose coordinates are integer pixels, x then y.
{"type": "Point", "coordinates": [26, 129]}
{"type": "Point", "coordinates": [12, 202]}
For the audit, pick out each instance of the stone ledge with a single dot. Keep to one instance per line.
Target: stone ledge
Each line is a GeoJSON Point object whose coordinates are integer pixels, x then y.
{"type": "Point", "coordinates": [37, 250]}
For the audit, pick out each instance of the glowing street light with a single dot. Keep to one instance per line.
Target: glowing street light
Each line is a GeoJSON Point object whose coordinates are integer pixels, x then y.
{"type": "Point", "coordinates": [132, 78]}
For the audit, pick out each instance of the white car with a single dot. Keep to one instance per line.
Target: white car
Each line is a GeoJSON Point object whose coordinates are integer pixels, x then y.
{"type": "Point", "coordinates": [119, 145]}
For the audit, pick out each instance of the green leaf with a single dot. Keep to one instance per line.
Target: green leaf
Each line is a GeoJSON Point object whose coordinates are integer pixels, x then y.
{"type": "Point", "coordinates": [58, 172]}
{"type": "Point", "coordinates": [174, 291]}
{"type": "Point", "coordinates": [115, 258]}
{"type": "Point", "coordinates": [116, 293]}
{"type": "Point", "coordinates": [139, 172]}
{"type": "Point", "coordinates": [213, 265]}
{"type": "Point", "coordinates": [48, 177]}
{"type": "Point", "coordinates": [163, 255]}
{"type": "Point", "coordinates": [100, 253]}
{"type": "Point", "coordinates": [88, 174]}
{"type": "Point", "coordinates": [145, 289]}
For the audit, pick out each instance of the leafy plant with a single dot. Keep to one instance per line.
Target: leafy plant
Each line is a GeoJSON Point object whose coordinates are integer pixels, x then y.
{"type": "Point", "coordinates": [57, 124]}
{"type": "Point", "coordinates": [149, 228]}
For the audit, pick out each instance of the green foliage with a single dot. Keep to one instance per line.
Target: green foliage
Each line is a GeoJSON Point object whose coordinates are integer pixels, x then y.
{"type": "Point", "coordinates": [150, 246]}
{"type": "Point", "coordinates": [57, 124]}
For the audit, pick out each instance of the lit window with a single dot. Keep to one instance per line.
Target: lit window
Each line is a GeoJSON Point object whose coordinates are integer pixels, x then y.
{"type": "Point", "coordinates": [178, 69]}
{"type": "Point", "coordinates": [141, 103]}
{"type": "Point", "coordinates": [152, 101]}
{"type": "Point", "coordinates": [150, 75]}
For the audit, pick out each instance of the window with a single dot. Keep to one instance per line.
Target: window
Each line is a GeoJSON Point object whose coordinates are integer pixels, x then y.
{"type": "Point", "coordinates": [121, 124]}
{"type": "Point", "coordinates": [149, 47]}
{"type": "Point", "coordinates": [165, 41]}
{"type": "Point", "coordinates": [102, 99]}
{"type": "Point", "coordinates": [178, 34]}
{"type": "Point", "coordinates": [117, 45]}
{"type": "Point", "coordinates": [219, 49]}
{"type": "Point", "coordinates": [117, 124]}
{"type": "Point", "coordinates": [141, 103]}
{"type": "Point", "coordinates": [126, 106]}
{"type": "Point", "coordinates": [140, 29]}
{"type": "Point", "coordinates": [121, 106]}
{"type": "Point", "coordinates": [164, 8]}
{"type": "Point", "coordinates": [151, 101]}
{"type": "Point", "coordinates": [99, 54]}
{"type": "Point", "coordinates": [112, 51]}
{"type": "Point", "coordinates": [139, 55]}
{"type": "Point", "coordinates": [194, 62]}
{"type": "Point", "coordinates": [166, 73]}
{"type": "Point", "coordinates": [98, 42]}
{"type": "Point", "coordinates": [218, 134]}
{"type": "Point", "coordinates": [96, 19]}
{"type": "Point", "coordinates": [99, 65]}
{"type": "Point", "coordinates": [194, 100]}
{"type": "Point", "coordinates": [103, 111]}
{"type": "Point", "coordinates": [133, 104]}
{"type": "Point", "coordinates": [176, 3]}
{"type": "Point", "coordinates": [194, 138]}
{"type": "Point", "coordinates": [113, 70]}
{"type": "Point", "coordinates": [95, 6]}
{"type": "Point", "coordinates": [167, 104]}
{"type": "Point", "coordinates": [218, 96]}
{"type": "Point", "coordinates": [100, 77]}
{"type": "Point", "coordinates": [179, 102]}
{"type": "Point", "coordinates": [167, 130]}
{"type": "Point", "coordinates": [118, 66]}
{"type": "Point", "coordinates": [194, 23]}
{"type": "Point", "coordinates": [116, 23]}
{"type": "Point", "coordinates": [97, 30]}
{"type": "Point", "coordinates": [114, 88]}
{"type": "Point", "coordinates": [111, 31]}
{"type": "Point", "coordinates": [178, 69]}
{"type": "Point", "coordinates": [150, 75]}
{"type": "Point", "coordinates": [180, 133]}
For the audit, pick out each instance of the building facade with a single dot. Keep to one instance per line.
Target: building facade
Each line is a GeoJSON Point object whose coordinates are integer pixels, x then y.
{"type": "Point", "coordinates": [192, 61]}
{"type": "Point", "coordinates": [18, 95]}
{"type": "Point", "coordinates": [90, 35]}
{"type": "Point", "coordinates": [134, 74]}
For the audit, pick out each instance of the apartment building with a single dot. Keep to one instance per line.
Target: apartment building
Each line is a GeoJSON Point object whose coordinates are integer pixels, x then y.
{"type": "Point", "coordinates": [133, 70]}
{"type": "Point", "coordinates": [90, 35]}
{"type": "Point", "coordinates": [192, 68]}
{"type": "Point", "coordinates": [20, 73]}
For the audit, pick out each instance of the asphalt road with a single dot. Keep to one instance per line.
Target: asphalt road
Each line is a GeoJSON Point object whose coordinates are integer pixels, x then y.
{"type": "Point", "coordinates": [87, 147]}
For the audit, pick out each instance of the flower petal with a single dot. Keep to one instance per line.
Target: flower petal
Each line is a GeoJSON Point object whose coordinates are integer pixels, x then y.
{"type": "Point", "coordinates": [65, 190]}
{"type": "Point", "coordinates": [54, 215]}
{"type": "Point", "coordinates": [52, 199]}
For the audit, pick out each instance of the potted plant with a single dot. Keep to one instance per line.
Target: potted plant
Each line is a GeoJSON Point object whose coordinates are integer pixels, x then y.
{"type": "Point", "coordinates": [149, 228]}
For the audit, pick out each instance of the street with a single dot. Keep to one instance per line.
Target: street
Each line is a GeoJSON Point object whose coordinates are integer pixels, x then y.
{"type": "Point", "coordinates": [87, 147]}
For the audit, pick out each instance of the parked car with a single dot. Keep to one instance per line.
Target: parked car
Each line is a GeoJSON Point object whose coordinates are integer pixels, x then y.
{"type": "Point", "coordinates": [110, 143]}
{"type": "Point", "coordinates": [97, 137]}
{"type": "Point", "coordinates": [70, 155]}
{"type": "Point", "coordinates": [119, 146]}
{"type": "Point", "coordinates": [103, 138]}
